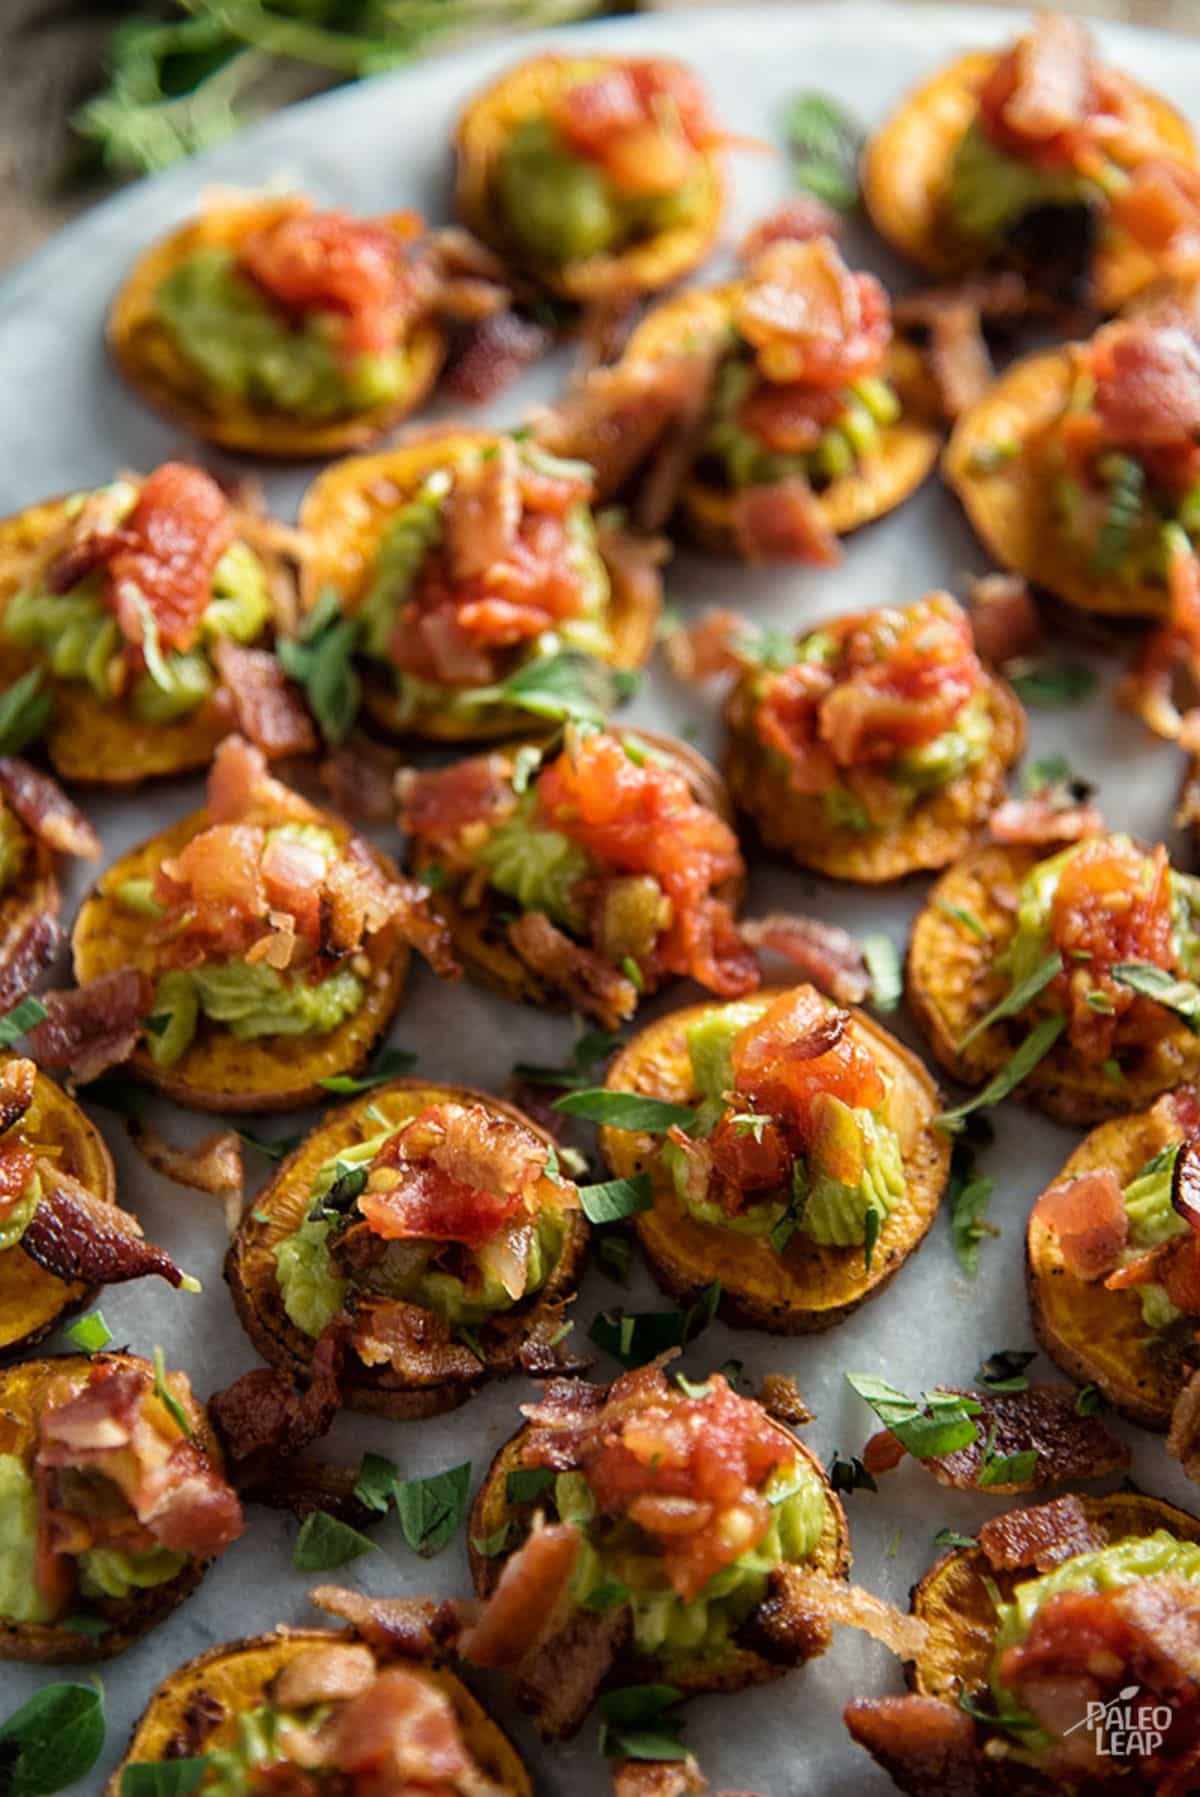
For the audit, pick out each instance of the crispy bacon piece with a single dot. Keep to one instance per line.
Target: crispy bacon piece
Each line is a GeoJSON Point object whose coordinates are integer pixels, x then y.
{"type": "Point", "coordinates": [43, 806]}
{"type": "Point", "coordinates": [959, 359]}
{"type": "Point", "coordinates": [782, 521]}
{"type": "Point", "coordinates": [1045, 817]}
{"type": "Point", "coordinates": [1042, 1419]}
{"type": "Point", "coordinates": [813, 1593]}
{"type": "Point", "coordinates": [330, 1674]}
{"type": "Point", "coordinates": [400, 1733]}
{"type": "Point", "coordinates": [709, 646]}
{"type": "Point", "coordinates": [483, 513]}
{"type": "Point", "coordinates": [412, 1628]}
{"type": "Point", "coordinates": [532, 1590]}
{"type": "Point", "coordinates": [643, 121]}
{"type": "Point", "coordinates": [1005, 621]}
{"type": "Point", "coordinates": [169, 547]}
{"type": "Point", "coordinates": [1172, 649]}
{"type": "Point", "coordinates": [1038, 1537]}
{"type": "Point", "coordinates": [658, 1778]}
{"type": "Point", "coordinates": [261, 1418]}
{"type": "Point", "coordinates": [359, 778]}
{"type": "Point", "coordinates": [1183, 1437]}
{"type": "Point", "coordinates": [437, 803]}
{"type": "Point", "coordinates": [1042, 90]}
{"type": "Point", "coordinates": [24, 951]}
{"type": "Point", "coordinates": [821, 952]}
{"type": "Point", "coordinates": [213, 1165]}
{"type": "Point", "coordinates": [808, 318]}
{"type": "Point", "coordinates": [1147, 385]}
{"type": "Point", "coordinates": [18, 1082]}
{"type": "Point", "coordinates": [1088, 1220]}
{"type": "Point", "coordinates": [799, 1050]}
{"type": "Point", "coordinates": [74, 1235]}
{"type": "Point", "coordinates": [923, 1745]}
{"type": "Point", "coordinates": [593, 985]}
{"type": "Point", "coordinates": [267, 708]}
{"type": "Point", "coordinates": [490, 353]}
{"type": "Point", "coordinates": [617, 418]}
{"type": "Point", "coordinates": [455, 1173]}
{"type": "Point", "coordinates": [415, 1342]}
{"type": "Point", "coordinates": [88, 1029]}
{"type": "Point", "coordinates": [1159, 207]}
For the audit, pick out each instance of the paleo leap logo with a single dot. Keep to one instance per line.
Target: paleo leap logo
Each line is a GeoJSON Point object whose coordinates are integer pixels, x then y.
{"type": "Point", "coordinates": [1121, 1729]}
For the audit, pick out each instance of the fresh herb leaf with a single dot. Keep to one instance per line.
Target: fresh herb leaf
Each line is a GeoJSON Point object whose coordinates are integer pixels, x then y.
{"type": "Point", "coordinates": [164, 1778]}
{"type": "Point", "coordinates": [1039, 680]}
{"type": "Point", "coordinates": [1019, 1066]}
{"type": "Point", "coordinates": [883, 964]}
{"type": "Point", "coordinates": [950, 1538]}
{"type": "Point", "coordinates": [321, 661]}
{"type": "Point", "coordinates": [324, 1542]}
{"type": "Point", "coordinates": [1020, 998]}
{"type": "Point", "coordinates": [940, 1425]}
{"type": "Point", "coordinates": [590, 1047]}
{"type": "Point", "coordinates": [625, 1110]}
{"type": "Point", "coordinates": [87, 1623]}
{"type": "Point", "coordinates": [824, 145]}
{"type": "Point", "coordinates": [614, 1255]}
{"type": "Point", "coordinates": [959, 914]}
{"type": "Point", "coordinates": [24, 712]}
{"type": "Point", "coordinates": [566, 685]}
{"type": "Point", "coordinates": [392, 1063]}
{"type": "Point", "coordinates": [117, 1092]}
{"type": "Point", "coordinates": [1005, 1371]}
{"type": "Point", "coordinates": [22, 1017]}
{"type": "Point", "coordinates": [603, 1596]}
{"type": "Point", "coordinates": [52, 1740]}
{"type": "Point", "coordinates": [634, 1338]}
{"type": "Point", "coordinates": [90, 1333]}
{"type": "Point", "coordinates": [637, 1724]}
{"type": "Point", "coordinates": [272, 1151]}
{"type": "Point", "coordinates": [376, 1484]}
{"type": "Point", "coordinates": [1005, 1469]}
{"type": "Point", "coordinates": [430, 1510]}
{"type": "Point", "coordinates": [526, 762]}
{"type": "Point", "coordinates": [493, 1545]}
{"type": "Point", "coordinates": [850, 1475]}
{"type": "Point", "coordinates": [525, 1484]}
{"type": "Point", "coordinates": [614, 1199]}
{"type": "Point", "coordinates": [1017, 1722]}
{"type": "Point", "coordinates": [1089, 1401]}
{"type": "Point", "coordinates": [167, 1398]}
{"type": "Point", "coordinates": [872, 1223]}
{"type": "Point", "coordinates": [1180, 996]}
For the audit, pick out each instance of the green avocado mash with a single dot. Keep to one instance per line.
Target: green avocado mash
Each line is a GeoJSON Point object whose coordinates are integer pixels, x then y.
{"type": "Point", "coordinates": [989, 190]}
{"type": "Point", "coordinates": [246, 348]}
{"type": "Point", "coordinates": [106, 1572]}
{"type": "Point", "coordinates": [867, 407]}
{"type": "Point", "coordinates": [1153, 1219]}
{"type": "Point", "coordinates": [540, 868]}
{"type": "Point", "coordinates": [615, 1555]}
{"type": "Point", "coordinates": [251, 1000]}
{"type": "Point", "coordinates": [21, 1215]}
{"type": "Point", "coordinates": [562, 208]}
{"type": "Point", "coordinates": [19, 1599]}
{"type": "Point", "coordinates": [228, 1770]}
{"type": "Point", "coordinates": [830, 1212]}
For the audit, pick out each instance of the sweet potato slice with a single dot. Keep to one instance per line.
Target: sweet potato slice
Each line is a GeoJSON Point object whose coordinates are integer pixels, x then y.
{"type": "Point", "coordinates": [33, 1301]}
{"type": "Point", "coordinates": [1096, 1335]}
{"type": "Point", "coordinates": [217, 1072]}
{"type": "Point", "coordinates": [526, 92]}
{"type": "Point", "coordinates": [150, 360]}
{"type": "Point", "coordinates": [938, 828]}
{"type": "Point", "coordinates": [952, 981]}
{"type": "Point", "coordinates": [125, 1618]}
{"type": "Point", "coordinates": [477, 931]}
{"type": "Point", "coordinates": [280, 1209]}
{"type": "Point", "coordinates": [907, 163]}
{"type": "Point", "coordinates": [344, 515]}
{"type": "Point", "coordinates": [196, 1709]}
{"type": "Point", "coordinates": [746, 1660]}
{"type": "Point", "coordinates": [902, 457]}
{"type": "Point", "coordinates": [807, 1288]}
{"type": "Point", "coordinates": [89, 742]}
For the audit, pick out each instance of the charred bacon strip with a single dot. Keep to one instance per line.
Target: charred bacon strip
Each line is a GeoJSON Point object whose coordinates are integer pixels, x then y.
{"type": "Point", "coordinates": [923, 1745]}
{"type": "Point", "coordinates": [1041, 1420]}
{"type": "Point", "coordinates": [261, 1418]}
{"type": "Point", "coordinates": [592, 984]}
{"type": "Point", "coordinates": [412, 1628]}
{"type": "Point", "coordinates": [75, 1235]}
{"type": "Point", "coordinates": [18, 1081]}
{"type": "Point", "coordinates": [267, 707]}
{"type": "Point", "coordinates": [88, 1029]}
{"type": "Point", "coordinates": [821, 952]}
{"type": "Point", "coordinates": [26, 950]}
{"type": "Point", "coordinates": [43, 806]}
{"type": "Point", "coordinates": [1040, 1536]}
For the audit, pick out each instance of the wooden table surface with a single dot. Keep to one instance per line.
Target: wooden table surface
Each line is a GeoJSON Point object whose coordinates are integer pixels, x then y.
{"type": "Point", "coordinates": [50, 59]}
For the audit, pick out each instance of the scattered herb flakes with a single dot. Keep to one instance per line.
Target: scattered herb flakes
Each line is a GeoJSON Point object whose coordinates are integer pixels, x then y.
{"type": "Point", "coordinates": [493, 1545]}
{"type": "Point", "coordinates": [430, 1510]}
{"type": "Point", "coordinates": [625, 1110]}
{"type": "Point", "coordinates": [1019, 1066]}
{"type": "Point", "coordinates": [614, 1255]}
{"type": "Point", "coordinates": [603, 1596]}
{"type": "Point", "coordinates": [525, 1484]}
{"type": "Point", "coordinates": [824, 146]}
{"type": "Point", "coordinates": [272, 1151]}
{"type": "Point", "coordinates": [1005, 1469]}
{"type": "Point", "coordinates": [1040, 680]}
{"type": "Point", "coordinates": [567, 685]}
{"type": "Point", "coordinates": [376, 1484]}
{"type": "Point", "coordinates": [52, 1740]}
{"type": "Point", "coordinates": [1089, 1401]}
{"type": "Point", "coordinates": [941, 1424]}
{"type": "Point", "coordinates": [393, 1063]}
{"type": "Point", "coordinates": [324, 1542]}
{"type": "Point", "coordinates": [21, 1018]}
{"type": "Point", "coordinates": [163, 1778]}
{"type": "Point", "coordinates": [321, 662]}
{"type": "Point", "coordinates": [525, 765]}
{"type": "Point", "coordinates": [950, 1538]}
{"type": "Point", "coordinates": [633, 973]}
{"type": "Point", "coordinates": [872, 1223]}
{"type": "Point", "coordinates": [634, 1338]}
{"type": "Point", "coordinates": [1180, 996]}
{"type": "Point", "coordinates": [90, 1333]}
{"type": "Point", "coordinates": [883, 964]}
{"type": "Point", "coordinates": [1004, 1371]}
{"type": "Point", "coordinates": [615, 1199]}
{"type": "Point", "coordinates": [166, 1396]}
{"type": "Point", "coordinates": [637, 1723]}
{"type": "Point", "coordinates": [1020, 998]}
{"type": "Point", "coordinates": [850, 1475]}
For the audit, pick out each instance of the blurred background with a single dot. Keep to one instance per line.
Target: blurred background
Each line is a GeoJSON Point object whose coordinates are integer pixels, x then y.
{"type": "Point", "coordinates": [99, 91]}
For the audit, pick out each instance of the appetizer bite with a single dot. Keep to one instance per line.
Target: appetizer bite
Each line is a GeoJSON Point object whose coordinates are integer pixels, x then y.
{"type": "Point", "coordinates": [266, 944]}
{"type": "Point", "coordinates": [1112, 1259]}
{"type": "Point", "coordinates": [141, 601]}
{"type": "Point", "coordinates": [275, 329]}
{"type": "Point", "coordinates": [37, 824]}
{"type": "Point", "coordinates": [478, 579]}
{"type": "Point", "coordinates": [598, 175]}
{"type": "Point", "coordinates": [810, 1168]}
{"type": "Point", "coordinates": [429, 1230]}
{"type": "Point", "coordinates": [596, 1576]}
{"type": "Point", "coordinates": [1039, 158]}
{"type": "Point", "coordinates": [61, 1233]}
{"type": "Point", "coordinates": [1069, 975]}
{"type": "Point", "coordinates": [1080, 470]}
{"type": "Point", "coordinates": [114, 1503]}
{"type": "Point", "coordinates": [615, 854]}
{"type": "Point", "coordinates": [774, 411]}
{"type": "Point", "coordinates": [306, 1710]}
{"type": "Point", "coordinates": [1065, 1620]}
{"type": "Point", "coordinates": [879, 748]}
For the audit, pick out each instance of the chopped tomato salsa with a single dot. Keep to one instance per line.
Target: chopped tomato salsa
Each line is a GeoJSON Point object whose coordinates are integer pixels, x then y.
{"type": "Point", "coordinates": [800, 1049]}
{"type": "Point", "coordinates": [454, 1173]}
{"type": "Point", "coordinates": [643, 121]}
{"type": "Point", "coordinates": [641, 818]}
{"type": "Point", "coordinates": [1146, 404]}
{"type": "Point", "coordinates": [1112, 904]}
{"type": "Point", "coordinates": [813, 325]}
{"type": "Point", "coordinates": [353, 268]}
{"type": "Point", "coordinates": [687, 1470]}
{"type": "Point", "coordinates": [894, 681]}
{"type": "Point", "coordinates": [18, 1165]}
{"type": "Point", "coordinates": [1048, 101]}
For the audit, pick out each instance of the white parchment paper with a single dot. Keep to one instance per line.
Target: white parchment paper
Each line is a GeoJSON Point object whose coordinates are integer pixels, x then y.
{"type": "Point", "coordinates": [66, 421]}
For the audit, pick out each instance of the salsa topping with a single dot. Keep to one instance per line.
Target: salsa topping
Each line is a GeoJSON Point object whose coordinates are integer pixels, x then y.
{"type": "Point", "coordinates": [811, 322]}
{"type": "Point", "coordinates": [353, 268]}
{"type": "Point", "coordinates": [644, 122]}
{"type": "Point", "coordinates": [1048, 99]}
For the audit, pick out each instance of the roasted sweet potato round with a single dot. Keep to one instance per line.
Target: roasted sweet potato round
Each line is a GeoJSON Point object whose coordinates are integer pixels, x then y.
{"type": "Point", "coordinates": [1096, 1335]}
{"type": "Point", "coordinates": [480, 940]}
{"type": "Point", "coordinates": [808, 1287]}
{"type": "Point", "coordinates": [742, 1664]}
{"type": "Point", "coordinates": [125, 1618]}
{"type": "Point", "coordinates": [907, 164]}
{"type": "Point", "coordinates": [955, 1600]}
{"type": "Point", "coordinates": [344, 515]}
{"type": "Point", "coordinates": [152, 363]}
{"type": "Point", "coordinates": [953, 981]}
{"type": "Point", "coordinates": [903, 456]}
{"type": "Point", "coordinates": [196, 1709]}
{"type": "Point", "coordinates": [89, 742]}
{"type": "Point", "coordinates": [938, 828]}
{"type": "Point", "coordinates": [1010, 502]}
{"type": "Point", "coordinates": [282, 1206]}
{"type": "Point", "coordinates": [524, 93]}
{"type": "Point", "coordinates": [33, 1301]}
{"type": "Point", "coordinates": [218, 1072]}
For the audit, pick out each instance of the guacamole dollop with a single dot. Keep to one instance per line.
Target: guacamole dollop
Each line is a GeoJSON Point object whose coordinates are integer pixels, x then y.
{"type": "Point", "coordinates": [866, 408]}
{"type": "Point", "coordinates": [989, 190]}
